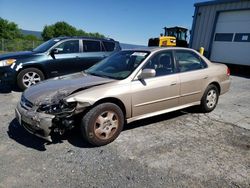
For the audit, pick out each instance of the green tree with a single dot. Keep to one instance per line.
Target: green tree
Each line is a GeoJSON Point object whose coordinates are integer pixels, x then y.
{"type": "Point", "coordinates": [64, 29]}
{"type": "Point", "coordinates": [9, 30]}
{"type": "Point", "coordinates": [80, 32]}
{"type": "Point", "coordinates": [30, 38]}
{"type": "Point", "coordinates": [48, 32]}
{"type": "Point", "coordinates": [58, 29]}
{"type": "Point", "coordinates": [83, 33]}
{"type": "Point", "coordinates": [97, 35]}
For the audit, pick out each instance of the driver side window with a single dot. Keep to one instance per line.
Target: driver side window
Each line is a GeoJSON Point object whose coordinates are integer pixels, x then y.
{"type": "Point", "coordinates": [162, 63]}
{"type": "Point", "coordinates": [71, 46]}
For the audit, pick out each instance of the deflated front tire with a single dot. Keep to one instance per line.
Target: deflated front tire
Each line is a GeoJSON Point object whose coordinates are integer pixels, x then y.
{"type": "Point", "coordinates": [102, 124]}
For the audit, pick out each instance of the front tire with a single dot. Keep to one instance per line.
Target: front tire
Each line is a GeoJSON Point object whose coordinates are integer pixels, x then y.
{"type": "Point", "coordinates": [28, 77]}
{"type": "Point", "coordinates": [210, 99]}
{"type": "Point", "coordinates": [102, 124]}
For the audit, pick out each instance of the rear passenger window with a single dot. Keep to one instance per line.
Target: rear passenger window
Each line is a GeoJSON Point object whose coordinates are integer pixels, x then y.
{"type": "Point", "coordinates": [189, 61]}
{"type": "Point", "coordinates": [91, 46]}
{"type": "Point", "coordinates": [109, 46]}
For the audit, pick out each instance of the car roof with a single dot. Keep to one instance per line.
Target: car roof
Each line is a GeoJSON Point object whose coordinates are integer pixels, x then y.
{"type": "Point", "coordinates": [153, 49]}
{"type": "Point", "coordinates": [84, 37]}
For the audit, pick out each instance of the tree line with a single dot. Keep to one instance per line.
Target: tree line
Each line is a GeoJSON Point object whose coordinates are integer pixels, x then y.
{"type": "Point", "coordinates": [10, 31]}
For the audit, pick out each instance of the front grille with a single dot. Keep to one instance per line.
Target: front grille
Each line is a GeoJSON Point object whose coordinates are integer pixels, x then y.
{"type": "Point", "coordinates": [26, 104]}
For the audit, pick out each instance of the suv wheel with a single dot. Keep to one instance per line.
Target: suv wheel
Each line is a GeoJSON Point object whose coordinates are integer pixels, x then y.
{"type": "Point", "coordinates": [209, 99]}
{"type": "Point", "coordinates": [102, 124]}
{"type": "Point", "coordinates": [29, 77]}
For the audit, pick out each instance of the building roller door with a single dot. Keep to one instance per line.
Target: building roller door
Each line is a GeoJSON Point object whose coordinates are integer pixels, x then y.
{"type": "Point", "coordinates": [231, 41]}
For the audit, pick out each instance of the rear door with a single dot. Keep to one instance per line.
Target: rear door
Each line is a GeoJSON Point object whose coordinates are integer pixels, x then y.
{"type": "Point", "coordinates": [92, 52]}
{"type": "Point", "coordinates": [192, 76]}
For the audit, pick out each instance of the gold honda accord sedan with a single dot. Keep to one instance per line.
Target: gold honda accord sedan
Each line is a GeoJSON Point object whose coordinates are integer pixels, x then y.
{"type": "Point", "coordinates": [125, 87]}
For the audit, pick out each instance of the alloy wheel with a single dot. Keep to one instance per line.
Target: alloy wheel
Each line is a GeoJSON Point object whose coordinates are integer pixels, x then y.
{"type": "Point", "coordinates": [106, 125]}
{"type": "Point", "coordinates": [211, 98]}
{"type": "Point", "coordinates": [31, 78]}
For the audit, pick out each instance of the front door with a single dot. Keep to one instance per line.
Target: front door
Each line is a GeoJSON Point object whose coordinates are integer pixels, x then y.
{"type": "Point", "coordinates": [157, 93]}
{"type": "Point", "coordinates": [66, 59]}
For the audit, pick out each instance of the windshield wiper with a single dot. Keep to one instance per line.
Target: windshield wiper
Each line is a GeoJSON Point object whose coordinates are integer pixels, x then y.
{"type": "Point", "coordinates": [93, 74]}
{"type": "Point", "coordinates": [99, 75]}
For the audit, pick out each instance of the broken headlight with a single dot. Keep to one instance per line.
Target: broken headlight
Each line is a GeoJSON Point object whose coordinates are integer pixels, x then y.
{"type": "Point", "coordinates": [60, 108]}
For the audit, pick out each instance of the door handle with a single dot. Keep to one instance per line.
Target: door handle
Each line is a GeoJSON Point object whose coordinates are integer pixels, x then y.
{"type": "Point", "coordinates": [205, 77]}
{"type": "Point", "coordinates": [173, 83]}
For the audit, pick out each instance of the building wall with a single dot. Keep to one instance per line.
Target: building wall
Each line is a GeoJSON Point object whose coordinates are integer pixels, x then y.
{"type": "Point", "coordinates": [205, 18]}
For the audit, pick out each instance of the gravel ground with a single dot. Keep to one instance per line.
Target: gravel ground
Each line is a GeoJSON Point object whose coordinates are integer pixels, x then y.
{"type": "Point", "coordinates": [180, 149]}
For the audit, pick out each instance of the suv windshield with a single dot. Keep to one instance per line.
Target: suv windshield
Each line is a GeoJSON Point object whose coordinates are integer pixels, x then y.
{"type": "Point", "coordinates": [119, 65]}
{"type": "Point", "coordinates": [46, 45]}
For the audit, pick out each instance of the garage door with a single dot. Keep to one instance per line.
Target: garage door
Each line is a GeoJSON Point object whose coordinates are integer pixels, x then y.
{"type": "Point", "coordinates": [231, 42]}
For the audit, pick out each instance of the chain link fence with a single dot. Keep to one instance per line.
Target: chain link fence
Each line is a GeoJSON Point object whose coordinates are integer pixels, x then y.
{"type": "Point", "coordinates": [18, 45]}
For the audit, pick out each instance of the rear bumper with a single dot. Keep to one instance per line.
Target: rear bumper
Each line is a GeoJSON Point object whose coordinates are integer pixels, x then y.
{"type": "Point", "coordinates": [225, 85]}
{"type": "Point", "coordinates": [39, 124]}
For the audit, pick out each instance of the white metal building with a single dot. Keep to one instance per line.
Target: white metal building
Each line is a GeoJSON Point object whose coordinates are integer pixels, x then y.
{"type": "Point", "coordinates": [223, 28]}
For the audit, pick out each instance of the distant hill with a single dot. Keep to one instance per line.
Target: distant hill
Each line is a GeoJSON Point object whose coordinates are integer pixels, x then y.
{"type": "Point", "coordinates": [28, 32]}
{"type": "Point", "coordinates": [38, 34]}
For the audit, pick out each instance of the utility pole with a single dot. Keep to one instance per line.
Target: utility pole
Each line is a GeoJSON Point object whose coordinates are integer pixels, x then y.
{"type": "Point", "coordinates": [2, 44]}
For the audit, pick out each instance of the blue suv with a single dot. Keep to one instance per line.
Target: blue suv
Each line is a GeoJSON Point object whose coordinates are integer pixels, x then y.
{"type": "Point", "coordinates": [56, 57]}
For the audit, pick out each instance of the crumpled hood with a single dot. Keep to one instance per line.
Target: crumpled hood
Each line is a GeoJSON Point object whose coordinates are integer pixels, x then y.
{"type": "Point", "coordinates": [16, 55]}
{"type": "Point", "coordinates": [55, 89]}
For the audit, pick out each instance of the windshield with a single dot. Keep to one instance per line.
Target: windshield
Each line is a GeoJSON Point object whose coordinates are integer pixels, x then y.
{"type": "Point", "coordinates": [46, 45]}
{"type": "Point", "coordinates": [119, 65]}
{"type": "Point", "coordinates": [180, 35]}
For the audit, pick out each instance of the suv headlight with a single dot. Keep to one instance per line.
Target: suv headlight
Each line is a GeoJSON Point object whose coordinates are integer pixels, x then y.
{"type": "Point", "coordinates": [7, 62]}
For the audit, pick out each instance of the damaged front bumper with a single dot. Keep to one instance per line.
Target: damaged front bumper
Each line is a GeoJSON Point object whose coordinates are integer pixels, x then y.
{"type": "Point", "coordinates": [39, 124]}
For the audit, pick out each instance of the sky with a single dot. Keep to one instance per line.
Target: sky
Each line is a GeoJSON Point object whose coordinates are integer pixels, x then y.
{"type": "Point", "coordinates": [128, 21]}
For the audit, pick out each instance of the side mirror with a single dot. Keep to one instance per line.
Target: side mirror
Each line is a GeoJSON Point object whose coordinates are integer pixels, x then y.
{"type": "Point", "coordinates": [147, 73]}
{"type": "Point", "coordinates": [56, 51]}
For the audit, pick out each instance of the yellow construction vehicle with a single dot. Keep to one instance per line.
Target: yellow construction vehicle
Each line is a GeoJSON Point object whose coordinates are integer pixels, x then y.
{"type": "Point", "coordinates": [173, 36]}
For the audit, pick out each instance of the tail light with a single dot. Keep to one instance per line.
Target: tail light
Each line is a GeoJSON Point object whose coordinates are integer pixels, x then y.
{"type": "Point", "coordinates": [228, 71]}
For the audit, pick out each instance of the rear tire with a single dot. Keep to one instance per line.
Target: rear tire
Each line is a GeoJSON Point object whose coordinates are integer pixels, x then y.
{"type": "Point", "coordinates": [102, 124]}
{"type": "Point", "coordinates": [210, 99]}
{"type": "Point", "coordinates": [28, 77]}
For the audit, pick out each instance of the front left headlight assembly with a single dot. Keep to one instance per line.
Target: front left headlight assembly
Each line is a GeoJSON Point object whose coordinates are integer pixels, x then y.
{"type": "Point", "coordinates": [7, 62]}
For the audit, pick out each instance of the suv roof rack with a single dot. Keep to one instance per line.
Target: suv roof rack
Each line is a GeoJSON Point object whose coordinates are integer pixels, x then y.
{"type": "Point", "coordinates": [83, 37]}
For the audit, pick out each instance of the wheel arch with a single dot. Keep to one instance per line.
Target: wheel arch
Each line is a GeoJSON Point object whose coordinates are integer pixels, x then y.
{"type": "Point", "coordinates": [216, 84]}
{"type": "Point", "coordinates": [114, 100]}
{"type": "Point", "coordinates": [37, 66]}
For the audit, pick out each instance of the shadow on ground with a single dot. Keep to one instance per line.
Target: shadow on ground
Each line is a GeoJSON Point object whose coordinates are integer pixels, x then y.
{"type": "Point", "coordinates": [74, 137]}
{"type": "Point", "coordinates": [21, 136]}
{"type": "Point", "coordinates": [151, 120]}
{"type": "Point", "coordinates": [5, 88]}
